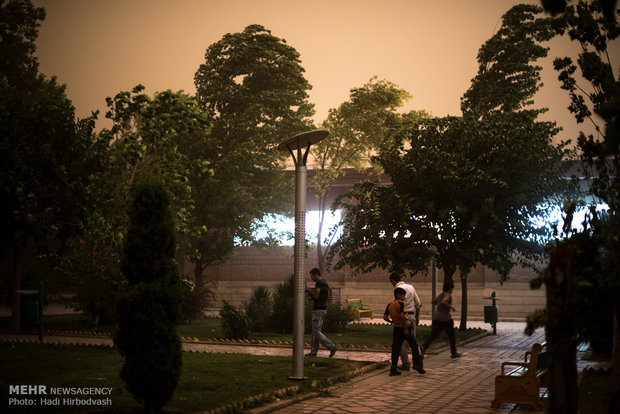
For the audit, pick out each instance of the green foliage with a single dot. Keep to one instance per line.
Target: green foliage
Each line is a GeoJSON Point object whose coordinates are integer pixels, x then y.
{"type": "Point", "coordinates": [252, 86]}
{"type": "Point", "coordinates": [258, 309]}
{"type": "Point", "coordinates": [600, 155]}
{"type": "Point", "coordinates": [196, 298]}
{"type": "Point", "coordinates": [149, 306]}
{"type": "Point", "coordinates": [46, 156]}
{"type": "Point", "coordinates": [19, 29]}
{"type": "Point", "coordinates": [91, 269]}
{"type": "Point", "coordinates": [464, 189]}
{"type": "Point", "coordinates": [507, 80]}
{"type": "Point", "coordinates": [283, 306]}
{"type": "Point", "coordinates": [358, 128]}
{"type": "Point", "coordinates": [163, 135]}
{"type": "Point", "coordinates": [234, 322]}
{"type": "Point", "coordinates": [593, 284]}
{"type": "Point", "coordinates": [583, 303]}
{"type": "Point", "coordinates": [282, 315]}
{"type": "Point", "coordinates": [337, 317]}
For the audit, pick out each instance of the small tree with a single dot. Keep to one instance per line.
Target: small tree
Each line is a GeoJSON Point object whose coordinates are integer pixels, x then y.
{"type": "Point", "coordinates": [258, 309]}
{"type": "Point", "coordinates": [149, 307]}
{"type": "Point", "coordinates": [358, 128]}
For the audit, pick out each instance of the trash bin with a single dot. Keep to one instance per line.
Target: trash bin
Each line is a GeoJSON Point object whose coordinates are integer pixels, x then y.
{"type": "Point", "coordinates": [490, 314]}
{"type": "Point", "coordinates": [29, 309]}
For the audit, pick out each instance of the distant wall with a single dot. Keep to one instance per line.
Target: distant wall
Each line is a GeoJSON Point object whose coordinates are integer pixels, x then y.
{"type": "Point", "coordinates": [251, 267]}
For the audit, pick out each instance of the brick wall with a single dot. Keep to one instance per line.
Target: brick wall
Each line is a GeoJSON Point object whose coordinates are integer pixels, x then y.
{"type": "Point", "coordinates": [234, 280]}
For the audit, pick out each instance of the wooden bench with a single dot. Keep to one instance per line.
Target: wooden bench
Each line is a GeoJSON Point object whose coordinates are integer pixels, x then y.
{"type": "Point", "coordinates": [521, 384]}
{"type": "Point", "coordinates": [359, 309]}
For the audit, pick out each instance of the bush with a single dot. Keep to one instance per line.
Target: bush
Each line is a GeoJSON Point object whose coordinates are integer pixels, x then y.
{"type": "Point", "coordinates": [195, 300]}
{"type": "Point", "coordinates": [234, 324]}
{"type": "Point", "coordinates": [283, 304]}
{"type": "Point", "coordinates": [337, 317]}
{"type": "Point", "coordinates": [258, 309]}
{"type": "Point", "coordinates": [149, 305]}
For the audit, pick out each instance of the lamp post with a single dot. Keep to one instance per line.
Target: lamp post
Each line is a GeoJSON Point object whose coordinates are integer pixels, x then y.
{"type": "Point", "coordinates": [301, 144]}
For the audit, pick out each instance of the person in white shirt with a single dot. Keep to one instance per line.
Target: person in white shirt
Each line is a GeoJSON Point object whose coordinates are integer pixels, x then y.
{"type": "Point", "coordinates": [413, 305]}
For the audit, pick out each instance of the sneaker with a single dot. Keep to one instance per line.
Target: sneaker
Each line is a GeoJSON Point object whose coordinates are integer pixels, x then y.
{"type": "Point", "coordinates": [332, 352]}
{"type": "Point", "coordinates": [420, 370]}
{"type": "Point", "coordinates": [394, 373]}
{"type": "Point", "coordinates": [404, 368]}
{"type": "Point", "coordinates": [311, 354]}
{"type": "Point", "coordinates": [455, 355]}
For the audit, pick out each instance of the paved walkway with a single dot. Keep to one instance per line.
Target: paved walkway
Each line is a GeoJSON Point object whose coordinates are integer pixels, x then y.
{"type": "Point", "coordinates": [463, 385]}
{"type": "Point", "coordinates": [460, 386]}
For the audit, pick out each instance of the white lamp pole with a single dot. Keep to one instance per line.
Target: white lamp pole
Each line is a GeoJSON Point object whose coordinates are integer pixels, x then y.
{"type": "Point", "coordinates": [299, 143]}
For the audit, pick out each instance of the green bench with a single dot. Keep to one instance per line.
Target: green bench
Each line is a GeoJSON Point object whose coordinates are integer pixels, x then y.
{"type": "Point", "coordinates": [520, 381]}
{"type": "Point", "coordinates": [359, 309]}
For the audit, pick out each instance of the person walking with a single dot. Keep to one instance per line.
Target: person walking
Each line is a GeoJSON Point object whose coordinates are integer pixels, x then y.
{"type": "Point", "coordinates": [442, 319]}
{"type": "Point", "coordinates": [319, 295]}
{"type": "Point", "coordinates": [413, 304]}
{"type": "Point", "coordinates": [396, 313]}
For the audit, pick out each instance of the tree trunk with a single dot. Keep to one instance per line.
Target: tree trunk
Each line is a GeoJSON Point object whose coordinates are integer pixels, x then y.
{"type": "Point", "coordinates": [319, 244]}
{"type": "Point", "coordinates": [463, 324]}
{"type": "Point", "coordinates": [19, 248]}
{"type": "Point", "coordinates": [560, 330]}
{"type": "Point", "coordinates": [615, 369]}
{"type": "Point", "coordinates": [198, 271]}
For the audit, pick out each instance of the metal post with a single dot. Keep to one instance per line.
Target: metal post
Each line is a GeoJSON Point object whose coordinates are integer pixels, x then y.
{"type": "Point", "coordinates": [433, 286]}
{"type": "Point", "coordinates": [300, 142]}
{"type": "Point", "coordinates": [300, 271]}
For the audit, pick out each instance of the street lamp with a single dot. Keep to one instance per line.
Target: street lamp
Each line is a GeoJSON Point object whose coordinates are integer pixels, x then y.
{"type": "Point", "coordinates": [300, 143]}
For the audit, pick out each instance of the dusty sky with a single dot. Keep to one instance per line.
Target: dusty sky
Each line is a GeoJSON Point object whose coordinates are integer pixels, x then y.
{"type": "Point", "coordinates": [429, 48]}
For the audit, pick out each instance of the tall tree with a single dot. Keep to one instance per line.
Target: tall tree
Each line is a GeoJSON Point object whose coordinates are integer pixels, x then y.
{"type": "Point", "coordinates": [457, 194]}
{"type": "Point", "coordinates": [252, 86]}
{"type": "Point", "coordinates": [149, 306]}
{"type": "Point", "coordinates": [358, 129]}
{"type": "Point", "coordinates": [165, 135]}
{"type": "Point", "coordinates": [590, 259]}
{"type": "Point", "coordinates": [465, 190]}
{"type": "Point", "coordinates": [46, 155]}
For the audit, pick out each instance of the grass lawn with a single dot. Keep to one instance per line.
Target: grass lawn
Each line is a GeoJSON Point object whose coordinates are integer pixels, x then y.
{"type": "Point", "coordinates": [370, 335]}
{"type": "Point", "coordinates": [207, 380]}
{"type": "Point", "coordinates": [373, 336]}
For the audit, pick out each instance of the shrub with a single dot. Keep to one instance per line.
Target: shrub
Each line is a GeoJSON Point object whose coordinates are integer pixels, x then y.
{"type": "Point", "coordinates": [149, 306]}
{"type": "Point", "coordinates": [258, 309]}
{"type": "Point", "coordinates": [234, 324]}
{"type": "Point", "coordinates": [195, 299]}
{"type": "Point", "coordinates": [284, 305]}
{"type": "Point", "coordinates": [337, 317]}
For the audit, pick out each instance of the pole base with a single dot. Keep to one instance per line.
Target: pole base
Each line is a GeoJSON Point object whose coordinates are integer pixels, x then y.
{"type": "Point", "coordinates": [296, 378]}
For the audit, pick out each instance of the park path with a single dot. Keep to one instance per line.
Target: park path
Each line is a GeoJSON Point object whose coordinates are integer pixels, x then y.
{"type": "Point", "coordinates": [460, 386]}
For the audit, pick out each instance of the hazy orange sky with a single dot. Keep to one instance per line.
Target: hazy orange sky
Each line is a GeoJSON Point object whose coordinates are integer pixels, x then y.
{"type": "Point", "coordinates": [429, 48]}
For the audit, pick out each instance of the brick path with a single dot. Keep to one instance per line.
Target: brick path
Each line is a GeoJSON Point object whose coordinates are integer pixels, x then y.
{"type": "Point", "coordinates": [461, 386]}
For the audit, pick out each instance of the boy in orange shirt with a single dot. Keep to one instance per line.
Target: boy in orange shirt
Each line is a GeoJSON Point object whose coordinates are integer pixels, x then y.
{"type": "Point", "coordinates": [396, 313]}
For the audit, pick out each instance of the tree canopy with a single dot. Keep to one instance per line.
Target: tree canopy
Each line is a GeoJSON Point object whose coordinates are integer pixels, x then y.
{"type": "Point", "coordinates": [46, 154]}
{"type": "Point", "coordinates": [465, 189]}
{"type": "Point", "coordinates": [358, 128]}
{"type": "Point", "coordinates": [252, 86]}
